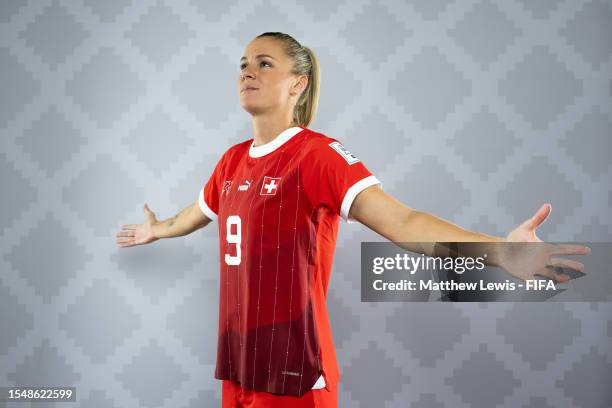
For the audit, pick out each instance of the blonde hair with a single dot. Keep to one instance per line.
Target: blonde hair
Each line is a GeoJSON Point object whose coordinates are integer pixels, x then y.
{"type": "Point", "coordinates": [305, 62]}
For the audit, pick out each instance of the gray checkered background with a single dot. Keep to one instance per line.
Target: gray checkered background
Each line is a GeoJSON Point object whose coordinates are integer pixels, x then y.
{"type": "Point", "coordinates": [477, 112]}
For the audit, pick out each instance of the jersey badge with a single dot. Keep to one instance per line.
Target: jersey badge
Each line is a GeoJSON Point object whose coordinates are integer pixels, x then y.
{"type": "Point", "coordinates": [227, 185]}
{"type": "Point", "coordinates": [346, 155]}
{"type": "Point", "coordinates": [270, 185]}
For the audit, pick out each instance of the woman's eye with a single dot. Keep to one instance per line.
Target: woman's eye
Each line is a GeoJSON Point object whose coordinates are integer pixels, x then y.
{"type": "Point", "coordinates": [242, 66]}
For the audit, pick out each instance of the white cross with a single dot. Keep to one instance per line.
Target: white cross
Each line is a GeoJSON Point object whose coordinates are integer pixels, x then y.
{"type": "Point", "coordinates": [270, 186]}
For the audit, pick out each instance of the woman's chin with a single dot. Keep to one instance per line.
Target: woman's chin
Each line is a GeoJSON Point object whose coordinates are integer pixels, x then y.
{"type": "Point", "coordinates": [251, 108]}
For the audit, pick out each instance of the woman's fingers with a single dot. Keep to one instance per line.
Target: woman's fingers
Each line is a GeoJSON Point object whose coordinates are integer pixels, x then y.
{"type": "Point", "coordinates": [127, 236]}
{"type": "Point", "coordinates": [539, 217]}
{"type": "Point", "coordinates": [128, 230]}
{"type": "Point", "coordinates": [569, 249]}
{"type": "Point", "coordinates": [126, 242]}
{"type": "Point", "coordinates": [549, 273]}
{"type": "Point", "coordinates": [566, 263]}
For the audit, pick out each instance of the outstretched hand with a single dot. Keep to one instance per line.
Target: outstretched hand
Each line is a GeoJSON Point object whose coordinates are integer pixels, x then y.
{"type": "Point", "coordinates": [138, 234]}
{"type": "Point", "coordinates": [526, 232]}
{"type": "Point", "coordinates": [526, 261]}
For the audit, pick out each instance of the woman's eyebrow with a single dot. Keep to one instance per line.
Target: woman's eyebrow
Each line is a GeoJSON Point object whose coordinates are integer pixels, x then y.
{"type": "Point", "coordinates": [258, 56]}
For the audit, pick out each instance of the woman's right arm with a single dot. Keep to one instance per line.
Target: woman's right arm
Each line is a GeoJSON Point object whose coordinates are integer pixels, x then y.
{"type": "Point", "coordinates": [185, 222]}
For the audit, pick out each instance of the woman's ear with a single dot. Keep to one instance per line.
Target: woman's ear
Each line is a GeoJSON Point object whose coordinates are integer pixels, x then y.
{"type": "Point", "coordinates": [299, 85]}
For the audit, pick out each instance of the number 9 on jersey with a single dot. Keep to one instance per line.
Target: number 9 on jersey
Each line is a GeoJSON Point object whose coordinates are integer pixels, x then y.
{"type": "Point", "coordinates": [233, 238]}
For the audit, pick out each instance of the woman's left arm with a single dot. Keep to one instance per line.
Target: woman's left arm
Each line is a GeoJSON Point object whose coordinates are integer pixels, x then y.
{"type": "Point", "coordinates": [397, 222]}
{"type": "Point", "coordinates": [405, 226]}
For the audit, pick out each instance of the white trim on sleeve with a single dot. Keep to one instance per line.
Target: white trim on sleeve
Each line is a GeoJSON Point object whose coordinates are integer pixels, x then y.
{"type": "Point", "coordinates": [352, 192]}
{"type": "Point", "coordinates": [204, 207]}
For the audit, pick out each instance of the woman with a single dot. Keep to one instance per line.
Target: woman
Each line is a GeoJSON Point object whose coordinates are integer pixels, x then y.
{"type": "Point", "coordinates": [278, 198]}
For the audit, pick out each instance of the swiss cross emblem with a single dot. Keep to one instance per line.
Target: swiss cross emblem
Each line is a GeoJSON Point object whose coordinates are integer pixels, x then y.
{"type": "Point", "coordinates": [270, 185]}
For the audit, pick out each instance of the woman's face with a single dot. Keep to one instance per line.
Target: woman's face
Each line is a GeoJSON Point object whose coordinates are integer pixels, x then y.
{"type": "Point", "coordinates": [267, 69]}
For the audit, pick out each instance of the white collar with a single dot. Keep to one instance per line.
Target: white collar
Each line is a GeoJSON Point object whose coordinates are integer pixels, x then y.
{"type": "Point", "coordinates": [284, 136]}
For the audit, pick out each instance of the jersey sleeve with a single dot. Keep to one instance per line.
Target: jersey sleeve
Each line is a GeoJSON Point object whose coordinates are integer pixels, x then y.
{"type": "Point", "coordinates": [208, 199]}
{"type": "Point", "coordinates": [332, 176]}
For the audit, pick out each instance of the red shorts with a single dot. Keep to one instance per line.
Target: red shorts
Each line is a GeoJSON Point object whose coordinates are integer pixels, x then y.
{"type": "Point", "coordinates": [234, 396]}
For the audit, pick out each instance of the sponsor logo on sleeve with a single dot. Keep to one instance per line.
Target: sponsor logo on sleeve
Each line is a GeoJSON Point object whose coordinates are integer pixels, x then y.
{"type": "Point", "coordinates": [346, 155]}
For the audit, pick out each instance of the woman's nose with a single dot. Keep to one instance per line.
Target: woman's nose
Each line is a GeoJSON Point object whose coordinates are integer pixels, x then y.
{"type": "Point", "coordinates": [246, 74]}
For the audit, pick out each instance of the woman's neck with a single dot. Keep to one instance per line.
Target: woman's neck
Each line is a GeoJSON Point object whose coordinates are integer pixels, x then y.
{"type": "Point", "coordinates": [267, 128]}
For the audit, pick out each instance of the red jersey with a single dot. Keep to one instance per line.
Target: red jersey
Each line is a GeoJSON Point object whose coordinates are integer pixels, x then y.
{"type": "Point", "coordinates": [278, 207]}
